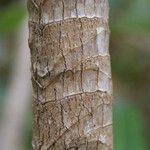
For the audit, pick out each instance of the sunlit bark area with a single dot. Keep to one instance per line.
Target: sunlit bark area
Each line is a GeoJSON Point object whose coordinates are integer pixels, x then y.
{"type": "Point", "coordinates": [71, 75]}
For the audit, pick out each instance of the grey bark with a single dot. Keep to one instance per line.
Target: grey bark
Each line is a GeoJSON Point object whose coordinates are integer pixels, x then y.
{"type": "Point", "coordinates": [71, 75]}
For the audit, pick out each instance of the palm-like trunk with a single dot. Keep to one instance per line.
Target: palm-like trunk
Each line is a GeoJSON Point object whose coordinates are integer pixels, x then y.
{"type": "Point", "coordinates": [72, 90]}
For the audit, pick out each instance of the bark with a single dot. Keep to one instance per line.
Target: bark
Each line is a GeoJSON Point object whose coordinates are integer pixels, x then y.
{"type": "Point", "coordinates": [71, 75]}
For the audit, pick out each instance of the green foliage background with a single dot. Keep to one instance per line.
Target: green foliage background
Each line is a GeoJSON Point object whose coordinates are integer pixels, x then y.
{"type": "Point", "coordinates": [129, 47]}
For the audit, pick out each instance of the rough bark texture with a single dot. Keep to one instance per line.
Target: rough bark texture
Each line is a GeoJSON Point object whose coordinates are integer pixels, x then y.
{"type": "Point", "coordinates": [72, 89]}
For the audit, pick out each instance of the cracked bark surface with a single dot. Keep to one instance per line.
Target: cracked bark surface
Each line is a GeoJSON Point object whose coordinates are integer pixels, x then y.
{"type": "Point", "coordinates": [71, 74]}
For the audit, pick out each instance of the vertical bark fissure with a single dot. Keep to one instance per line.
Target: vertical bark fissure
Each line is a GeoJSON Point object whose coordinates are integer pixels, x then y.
{"type": "Point", "coordinates": [76, 2]}
{"type": "Point", "coordinates": [63, 5]}
{"type": "Point", "coordinates": [71, 76]}
{"type": "Point", "coordinates": [81, 55]}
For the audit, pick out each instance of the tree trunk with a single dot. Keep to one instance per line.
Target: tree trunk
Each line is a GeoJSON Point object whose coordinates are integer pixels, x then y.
{"type": "Point", "coordinates": [72, 89]}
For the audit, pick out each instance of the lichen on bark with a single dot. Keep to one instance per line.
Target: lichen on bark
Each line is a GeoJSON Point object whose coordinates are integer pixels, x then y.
{"type": "Point", "coordinates": [71, 75]}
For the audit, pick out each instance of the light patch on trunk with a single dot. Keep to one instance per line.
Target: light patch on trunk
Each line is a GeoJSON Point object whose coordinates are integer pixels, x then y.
{"type": "Point", "coordinates": [107, 115]}
{"type": "Point", "coordinates": [102, 42]}
{"type": "Point", "coordinates": [103, 138]}
{"type": "Point", "coordinates": [58, 12]}
{"type": "Point", "coordinates": [98, 9]}
{"type": "Point", "coordinates": [73, 13]}
{"type": "Point", "coordinates": [45, 18]}
{"type": "Point", "coordinates": [89, 80]}
{"type": "Point", "coordinates": [99, 30]}
{"type": "Point", "coordinates": [89, 8]}
{"type": "Point", "coordinates": [67, 122]}
{"type": "Point", "coordinates": [104, 83]}
{"type": "Point", "coordinates": [41, 70]}
{"type": "Point", "coordinates": [49, 121]}
{"type": "Point", "coordinates": [80, 8]}
{"type": "Point", "coordinates": [89, 126]}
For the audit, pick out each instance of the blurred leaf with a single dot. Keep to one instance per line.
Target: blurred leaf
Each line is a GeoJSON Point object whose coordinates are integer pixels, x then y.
{"type": "Point", "coordinates": [126, 67]}
{"type": "Point", "coordinates": [11, 17]}
{"type": "Point", "coordinates": [128, 127]}
{"type": "Point", "coordinates": [135, 19]}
